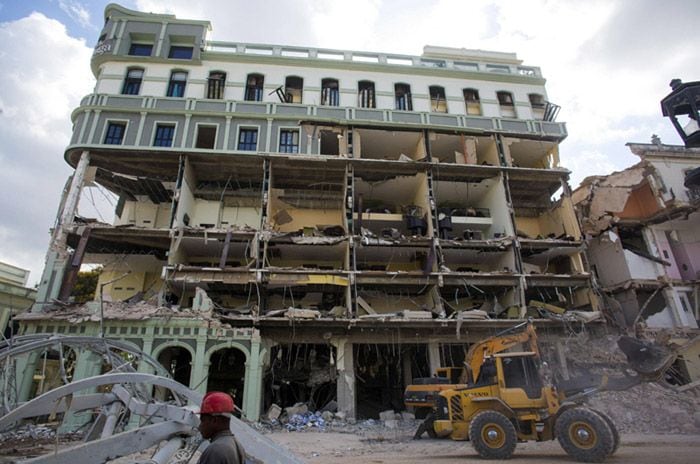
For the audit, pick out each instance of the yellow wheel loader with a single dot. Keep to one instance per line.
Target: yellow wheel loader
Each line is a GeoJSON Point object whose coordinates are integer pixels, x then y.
{"type": "Point", "coordinates": [509, 398]}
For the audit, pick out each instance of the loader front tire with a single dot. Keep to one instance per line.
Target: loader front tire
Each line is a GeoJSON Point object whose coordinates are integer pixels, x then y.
{"type": "Point", "coordinates": [492, 435]}
{"type": "Point", "coordinates": [613, 429]}
{"type": "Point", "coordinates": [584, 435]}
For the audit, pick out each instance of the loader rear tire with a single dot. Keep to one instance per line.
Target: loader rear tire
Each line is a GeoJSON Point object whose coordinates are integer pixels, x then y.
{"type": "Point", "coordinates": [584, 435]}
{"type": "Point", "coordinates": [492, 435]}
{"type": "Point", "coordinates": [613, 429]}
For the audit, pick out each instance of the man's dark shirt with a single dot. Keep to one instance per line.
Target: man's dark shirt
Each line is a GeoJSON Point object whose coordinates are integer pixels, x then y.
{"type": "Point", "coordinates": [223, 449]}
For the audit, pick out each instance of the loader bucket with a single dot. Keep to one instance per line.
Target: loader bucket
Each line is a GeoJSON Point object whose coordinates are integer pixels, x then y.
{"type": "Point", "coordinates": [648, 359]}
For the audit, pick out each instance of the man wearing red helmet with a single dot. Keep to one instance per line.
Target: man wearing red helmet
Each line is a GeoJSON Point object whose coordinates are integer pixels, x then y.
{"type": "Point", "coordinates": [215, 417]}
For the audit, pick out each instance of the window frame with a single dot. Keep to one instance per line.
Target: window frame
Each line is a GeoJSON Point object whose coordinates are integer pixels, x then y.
{"type": "Point", "coordinates": [221, 90]}
{"type": "Point", "coordinates": [434, 103]}
{"type": "Point", "coordinates": [129, 81]}
{"type": "Point", "coordinates": [373, 99]}
{"type": "Point", "coordinates": [476, 102]}
{"type": "Point", "coordinates": [105, 130]}
{"type": "Point", "coordinates": [140, 44]}
{"type": "Point", "coordinates": [289, 97]}
{"type": "Point", "coordinates": [196, 134]}
{"type": "Point", "coordinates": [500, 93]}
{"type": "Point", "coordinates": [174, 84]}
{"type": "Point", "coordinates": [295, 129]}
{"type": "Point", "coordinates": [155, 133]}
{"type": "Point", "coordinates": [406, 97]}
{"type": "Point", "coordinates": [179, 48]}
{"type": "Point", "coordinates": [247, 87]}
{"type": "Point", "coordinates": [328, 102]}
{"type": "Point", "coordinates": [244, 127]}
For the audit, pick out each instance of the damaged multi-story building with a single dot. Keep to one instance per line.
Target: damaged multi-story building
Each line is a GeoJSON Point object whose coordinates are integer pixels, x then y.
{"type": "Point", "coordinates": [309, 225]}
{"type": "Point", "coordinates": [644, 246]}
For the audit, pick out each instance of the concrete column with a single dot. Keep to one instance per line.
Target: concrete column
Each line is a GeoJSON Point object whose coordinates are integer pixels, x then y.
{"type": "Point", "coordinates": [345, 365]}
{"type": "Point", "coordinates": [25, 367]}
{"type": "Point", "coordinates": [434, 356]}
{"type": "Point", "coordinates": [252, 389]}
{"type": "Point", "coordinates": [57, 255]}
{"type": "Point", "coordinates": [200, 364]}
{"type": "Point", "coordinates": [87, 365]}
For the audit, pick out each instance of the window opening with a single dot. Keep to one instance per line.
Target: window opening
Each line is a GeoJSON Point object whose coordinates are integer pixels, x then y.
{"type": "Point", "coordinates": [402, 94]}
{"type": "Point", "coordinates": [366, 94]}
{"type": "Point", "coordinates": [289, 141]}
{"type": "Point", "coordinates": [248, 139]}
{"type": "Point", "coordinates": [132, 83]}
{"type": "Point", "coordinates": [176, 87]}
{"type": "Point", "coordinates": [180, 52]}
{"type": "Point", "coordinates": [507, 104]}
{"type": "Point", "coordinates": [293, 89]}
{"type": "Point", "coordinates": [206, 137]}
{"type": "Point", "coordinates": [438, 103]}
{"type": "Point", "coordinates": [471, 100]}
{"type": "Point", "coordinates": [140, 49]}
{"type": "Point", "coordinates": [330, 95]}
{"type": "Point", "coordinates": [216, 85]}
{"type": "Point", "coordinates": [164, 135]}
{"type": "Point", "coordinates": [115, 133]}
{"type": "Point", "coordinates": [254, 87]}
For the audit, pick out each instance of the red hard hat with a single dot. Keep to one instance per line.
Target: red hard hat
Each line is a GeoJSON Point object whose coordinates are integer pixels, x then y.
{"type": "Point", "coordinates": [216, 403]}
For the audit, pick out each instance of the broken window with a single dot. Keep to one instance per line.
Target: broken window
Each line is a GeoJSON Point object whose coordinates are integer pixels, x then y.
{"type": "Point", "coordinates": [402, 94]}
{"type": "Point", "coordinates": [248, 139]}
{"type": "Point", "coordinates": [180, 52]}
{"type": "Point", "coordinates": [365, 95]}
{"type": "Point", "coordinates": [176, 86]}
{"type": "Point", "coordinates": [289, 141]}
{"type": "Point", "coordinates": [140, 49]}
{"type": "Point", "coordinates": [293, 89]}
{"type": "Point", "coordinates": [164, 135]}
{"type": "Point", "coordinates": [132, 83]}
{"type": "Point", "coordinates": [471, 100]}
{"type": "Point", "coordinates": [254, 87]}
{"type": "Point", "coordinates": [115, 133]}
{"type": "Point", "coordinates": [216, 85]}
{"type": "Point", "coordinates": [506, 103]}
{"type": "Point", "coordinates": [330, 95]}
{"type": "Point", "coordinates": [438, 103]}
{"type": "Point", "coordinates": [206, 137]}
{"type": "Point", "coordinates": [538, 104]}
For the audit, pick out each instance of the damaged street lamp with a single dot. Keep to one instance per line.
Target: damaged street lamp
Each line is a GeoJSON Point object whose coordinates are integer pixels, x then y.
{"type": "Point", "coordinates": [683, 102]}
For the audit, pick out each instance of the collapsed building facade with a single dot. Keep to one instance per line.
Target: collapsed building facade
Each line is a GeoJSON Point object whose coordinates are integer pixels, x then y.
{"type": "Point", "coordinates": [644, 245]}
{"type": "Point", "coordinates": [308, 225]}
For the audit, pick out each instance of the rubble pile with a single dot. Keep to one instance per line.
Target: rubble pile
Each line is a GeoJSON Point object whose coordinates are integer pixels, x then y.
{"type": "Point", "coordinates": [645, 408]}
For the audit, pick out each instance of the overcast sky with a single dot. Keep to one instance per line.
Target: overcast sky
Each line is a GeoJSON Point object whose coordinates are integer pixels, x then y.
{"type": "Point", "coordinates": [607, 63]}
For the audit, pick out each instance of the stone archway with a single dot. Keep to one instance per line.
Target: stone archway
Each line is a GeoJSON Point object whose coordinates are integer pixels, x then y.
{"type": "Point", "coordinates": [177, 360]}
{"type": "Point", "coordinates": [227, 368]}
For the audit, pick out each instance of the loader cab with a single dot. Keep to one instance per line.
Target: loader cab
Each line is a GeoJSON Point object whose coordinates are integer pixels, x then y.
{"type": "Point", "coordinates": [519, 379]}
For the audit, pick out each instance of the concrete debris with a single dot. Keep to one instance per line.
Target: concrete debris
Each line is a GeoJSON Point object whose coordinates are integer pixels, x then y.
{"type": "Point", "coordinates": [296, 313]}
{"type": "Point", "coordinates": [408, 314]}
{"type": "Point", "coordinates": [387, 415]}
{"type": "Point", "coordinates": [273, 412]}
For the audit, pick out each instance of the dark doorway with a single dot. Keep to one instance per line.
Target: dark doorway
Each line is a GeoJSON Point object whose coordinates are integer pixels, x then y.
{"type": "Point", "coordinates": [227, 373]}
{"type": "Point", "coordinates": [301, 373]}
{"type": "Point", "coordinates": [382, 373]}
{"type": "Point", "coordinates": [329, 143]}
{"type": "Point", "coordinates": [206, 137]}
{"type": "Point", "coordinates": [178, 361]}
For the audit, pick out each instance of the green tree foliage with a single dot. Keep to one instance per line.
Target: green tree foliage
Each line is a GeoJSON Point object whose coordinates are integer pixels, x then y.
{"type": "Point", "coordinates": [84, 289]}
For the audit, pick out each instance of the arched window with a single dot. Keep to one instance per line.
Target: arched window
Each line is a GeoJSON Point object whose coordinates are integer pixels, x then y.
{"type": "Point", "coordinates": [330, 95]}
{"type": "Point", "coordinates": [132, 82]}
{"type": "Point", "coordinates": [472, 102]}
{"type": "Point", "coordinates": [402, 96]}
{"type": "Point", "coordinates": [176, 86]}
{"type": "Point", "coordinates": [506, 103]}
{"type": "Point", "coordinates": [254, 87]}
{"type": "Point", "coordinates": [216, 85]}
{"type": "Point", "coordinates": [365, 94]}
{"type": "Point", "coordinates": [293, 89]}
{"type": "Point", "coordinates": [438, 103]}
